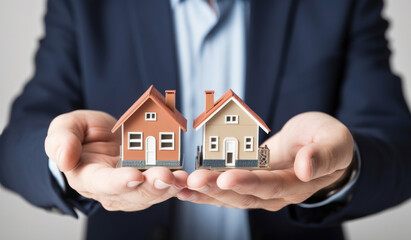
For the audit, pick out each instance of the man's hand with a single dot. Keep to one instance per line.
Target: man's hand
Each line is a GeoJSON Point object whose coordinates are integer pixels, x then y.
{"type": "Point", "coordinates": [86, 151]}
{"type": "Point", "coordinates": [311, 152]}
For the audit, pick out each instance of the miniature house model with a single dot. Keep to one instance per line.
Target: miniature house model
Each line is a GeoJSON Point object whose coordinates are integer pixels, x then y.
{"type": "Point", "coordinates": [151, 131]}
{"type": "Point", "coordinates": [230, 134]}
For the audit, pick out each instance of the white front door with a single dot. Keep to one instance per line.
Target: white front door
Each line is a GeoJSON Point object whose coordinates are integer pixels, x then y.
{"type": "Point", "coordinates": [230, 152]}
{"type": "Point", "coordinates": [150, 150]}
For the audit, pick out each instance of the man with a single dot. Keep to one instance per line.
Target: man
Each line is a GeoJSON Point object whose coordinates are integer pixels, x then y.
{"type": "Point", "coordinates": [317, 72]}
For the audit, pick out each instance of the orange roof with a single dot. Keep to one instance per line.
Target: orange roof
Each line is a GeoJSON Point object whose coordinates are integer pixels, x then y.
{"type": "Point", "coordinates": [205, 116]}
{"type": "Point", "coordinates": [153, 94]}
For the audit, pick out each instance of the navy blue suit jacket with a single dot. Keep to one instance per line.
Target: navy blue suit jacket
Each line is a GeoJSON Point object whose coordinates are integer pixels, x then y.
{"type": "Point", "coordinates": [302, 55]}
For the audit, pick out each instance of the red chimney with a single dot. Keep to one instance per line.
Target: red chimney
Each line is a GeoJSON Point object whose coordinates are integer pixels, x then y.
{"type": "Point", "coordinates": [209, 95]}
{"type": "Point", "coordinates": [171, 99]}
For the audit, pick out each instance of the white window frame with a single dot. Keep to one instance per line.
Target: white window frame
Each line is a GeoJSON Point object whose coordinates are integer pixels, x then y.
{"type": "Point", "coordinates": [213, 142]}
{"type": "Point", "coordinates": [251, 143]}
{"type": "Point", "coordinates": [231, 121]}
{"type": "Point", "coordinates": [135, 141]}
{"type": "Point", "coordinates": [150, 118]}
{"type": "Point", "coordinates": [166, 141]}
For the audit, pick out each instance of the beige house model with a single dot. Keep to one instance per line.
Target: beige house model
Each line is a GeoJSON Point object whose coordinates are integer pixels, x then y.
{"type": "Point", "coordinates": [230, 134]}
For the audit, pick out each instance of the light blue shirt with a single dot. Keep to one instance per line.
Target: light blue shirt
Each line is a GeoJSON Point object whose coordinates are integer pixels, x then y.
{"type": "Point", "coordinates": [211, 50]}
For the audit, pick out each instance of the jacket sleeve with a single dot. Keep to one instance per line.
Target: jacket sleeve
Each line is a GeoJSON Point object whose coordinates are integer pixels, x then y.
{"type": "Point", "coordinates": [372, 106]}
{"type": "Point", "coordinates": [54, 89]}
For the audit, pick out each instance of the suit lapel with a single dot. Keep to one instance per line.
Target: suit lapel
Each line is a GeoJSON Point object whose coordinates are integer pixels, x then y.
{"type": "Point", "coordinates": [270, 24]}
{"type": "Point", "coordinates": [154, 41]}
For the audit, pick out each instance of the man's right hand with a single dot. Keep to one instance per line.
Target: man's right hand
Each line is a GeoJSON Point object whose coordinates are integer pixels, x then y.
{"type": "Point", "coordinates": [86, 151]}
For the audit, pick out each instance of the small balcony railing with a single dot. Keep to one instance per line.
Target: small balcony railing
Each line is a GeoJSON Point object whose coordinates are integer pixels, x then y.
{"type": "Point", "coordinates": [263, 157]}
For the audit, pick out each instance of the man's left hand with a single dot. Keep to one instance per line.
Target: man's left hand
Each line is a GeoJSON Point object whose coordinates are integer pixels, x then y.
{"type": "Point", "coordinates": [311, 152]}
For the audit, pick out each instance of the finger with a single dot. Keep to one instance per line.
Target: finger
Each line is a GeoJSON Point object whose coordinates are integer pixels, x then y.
{"type": "Point", "coordinates": [159, 186]}
{"type": "Point", "coordinates": [201, 178]}
{"type": "Point", "coordinates": [249, 202]}
{"type": "Point", "coordinates": [158, 179]}
{"type": "Point", "coordinates": [180, 182]}
{"type": "Point", "coordinates": [180, 178]}
{"type": "Point", "coordinates": [261, 183]}
{"type": "Point", "coordinates": [319, 159]}
{"type": "Point", "coordinates": [278, 184]}
{"type": "Point", "coordinates": [200, 198]}
{"type": "Point", "coordinates": [100, 179]}
{"type": "Point", "coordinates": [205, 181]}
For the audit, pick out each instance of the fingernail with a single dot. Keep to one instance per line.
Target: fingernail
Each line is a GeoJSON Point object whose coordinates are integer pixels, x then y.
{"type": "Point", "coordinates": [202, 189]}
{"type": "Point", "coordinates": [160, 184]}
{"type": "Point", "coordinates": [133, 184]}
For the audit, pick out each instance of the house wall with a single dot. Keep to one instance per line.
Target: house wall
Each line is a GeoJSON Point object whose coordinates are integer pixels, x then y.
{"type": "Point", "coordinates": [164, 123]}
{"type": "Point", "coordinates": [216, 126]}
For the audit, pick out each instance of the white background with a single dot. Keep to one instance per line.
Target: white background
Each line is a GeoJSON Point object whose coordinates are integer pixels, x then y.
{"type": "Point", "coordinates": [21, 27]}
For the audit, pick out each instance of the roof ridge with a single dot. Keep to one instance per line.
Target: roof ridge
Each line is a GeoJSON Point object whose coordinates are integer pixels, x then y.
{"type": "Point", "coordinates": [158, 98]}
{"type": "Point", "coordinates": [220, 102]}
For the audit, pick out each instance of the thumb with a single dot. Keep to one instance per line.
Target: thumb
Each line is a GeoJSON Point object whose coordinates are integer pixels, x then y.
{"type": "Point", "coordinates": [63, 143]}
{"type": "Point", "coordinates": [67, 133]}
{"type": "Point", "coordinates": [316, 160]}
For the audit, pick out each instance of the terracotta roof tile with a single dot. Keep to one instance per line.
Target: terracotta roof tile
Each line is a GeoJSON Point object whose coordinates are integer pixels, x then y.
{"type": "Point", "coordinates": [153, 94]}
{"type": "Point", "coordinates": [217, 104]}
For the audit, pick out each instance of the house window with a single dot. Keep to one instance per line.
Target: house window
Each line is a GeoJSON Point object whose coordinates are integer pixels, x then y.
{"type": "Point", "coordinates": [135, 140]}
{"type": "Point", "coordinates": [166, 141]}
{"type": "Point", "coordinates": [213, 144]}
{"type": "Point", "coordinates": [248, 144]}
{"type": "Point", "coordinates": [151, 116]}
{"type": "Point", "coordinates": [231, 119]}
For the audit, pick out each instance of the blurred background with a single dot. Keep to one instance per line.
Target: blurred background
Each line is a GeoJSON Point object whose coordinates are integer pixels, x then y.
{"type": "Point", "coordinates": [21, 26]}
